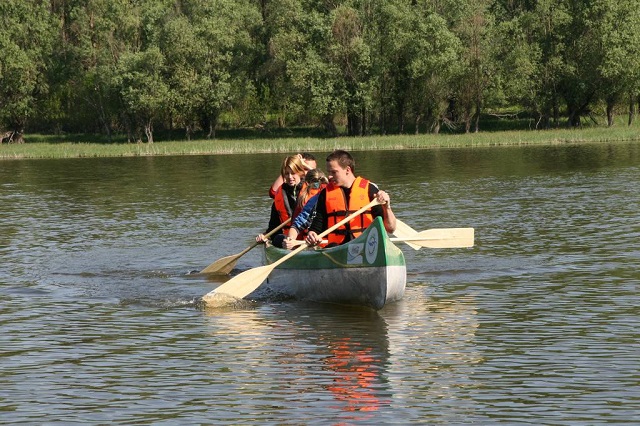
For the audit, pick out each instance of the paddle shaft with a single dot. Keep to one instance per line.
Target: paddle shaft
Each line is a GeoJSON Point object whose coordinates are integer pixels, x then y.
{"type": "Point", "coordinates": [433, 238]}
{"type": "Point", "coordinates": [267, 235]}
{"type": "Point", "coordinates": [277, 228]}
{"type": "Point", "coordinates": [225, 264]}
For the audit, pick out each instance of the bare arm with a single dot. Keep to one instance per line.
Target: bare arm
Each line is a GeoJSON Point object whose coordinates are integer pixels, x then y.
{"type": "Point", "coordinates": [275, 185]}
{"type": "Point", "coordinates": [388, 217]}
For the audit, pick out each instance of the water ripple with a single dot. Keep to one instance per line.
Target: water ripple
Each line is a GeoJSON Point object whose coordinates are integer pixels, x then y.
{"type": "Point", "coordinates": [536, 324]}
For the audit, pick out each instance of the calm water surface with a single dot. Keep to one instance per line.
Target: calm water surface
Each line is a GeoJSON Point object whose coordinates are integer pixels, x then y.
{"type": "Point", "coordinates": [537, 324]}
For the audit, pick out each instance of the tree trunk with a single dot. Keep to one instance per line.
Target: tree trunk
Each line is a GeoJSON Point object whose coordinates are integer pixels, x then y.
{"type": "Point", "coordinates": [632, 109]}
{"type": "Point", "coordinates": [383, 122]}
{"type": "Point", "coordinates": [610, 114]}
{"type": "Point", "coordinates": [577, 111]}
{"type": "Point", "coordinates": [382, 115]}
{"type": "Point", "coordinates": [574, 118]}
{"type": "Point", "coordinates": [476, 118]}
{"type": "Point", "coordinates": [213, 123]}
{"type": "Point", "coordinates": [263, 9]}
{"type": "Point", "coordinates": [467, 120]}
{"type": "Point", "coordinates": [148, 131]}
{"type": "Point", "coordinates": [556, 111]}
{"type": "Point", "coordinates": [329, 125]}
{"type": "Point", "coordinates": [104, 120]}
{"type": "Point", "coordinates": [354, 123]}
{"type": "Point", "coordinates": [544, 121]}
{"type": "Point", "coordinates": [436, 127]}
{"type": "Point", "coordinates": [128, 123]}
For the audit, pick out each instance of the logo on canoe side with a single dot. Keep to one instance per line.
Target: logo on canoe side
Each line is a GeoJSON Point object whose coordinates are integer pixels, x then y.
{"type": "Point", "coordinates": [371, 250]}
{"type": "Point", "coordinates": [358, 252]}
{"type": "Point", "coordinates": [354, 254]}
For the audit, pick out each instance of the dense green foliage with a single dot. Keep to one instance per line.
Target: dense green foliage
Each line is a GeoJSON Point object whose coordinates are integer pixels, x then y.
{"type": "Point", "coordinates": [368, 66]}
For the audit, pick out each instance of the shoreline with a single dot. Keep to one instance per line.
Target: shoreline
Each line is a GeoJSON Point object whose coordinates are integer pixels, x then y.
{"type": "Point", "coordinates": [60, 150]}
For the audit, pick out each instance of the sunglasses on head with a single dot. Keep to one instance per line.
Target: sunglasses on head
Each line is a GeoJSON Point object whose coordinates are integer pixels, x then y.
{"type": "Point", "coordinates": [314, 183]}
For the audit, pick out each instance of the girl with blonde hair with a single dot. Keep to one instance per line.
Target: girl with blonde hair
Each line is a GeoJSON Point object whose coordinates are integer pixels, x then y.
{"type": "Point", "coordinates": [309, 163]}
{"type": "Point", "coordinates": [285, 199]}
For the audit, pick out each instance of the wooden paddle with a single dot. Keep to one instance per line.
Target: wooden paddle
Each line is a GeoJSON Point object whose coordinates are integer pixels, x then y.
{"type": "Point", "coordinates": [243, 284]}
{"type": "Point", "coordinates": [441, 238]}
{"type": "Point", "coordinates": [224, 265]}
{"type": "Point", "coordinates": [405, 231]}
{"type": "Point", "coordinates": [433, 238]}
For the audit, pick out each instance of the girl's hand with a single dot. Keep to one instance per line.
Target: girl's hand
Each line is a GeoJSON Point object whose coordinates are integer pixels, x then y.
{"type": "Point", "coordinates": [304, 163]}
{"type": "Point", "coordinates": [288, 244]}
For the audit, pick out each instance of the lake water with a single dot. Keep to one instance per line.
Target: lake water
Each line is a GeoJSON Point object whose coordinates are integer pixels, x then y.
{"type": "Point", "coordinates": [539, 323]}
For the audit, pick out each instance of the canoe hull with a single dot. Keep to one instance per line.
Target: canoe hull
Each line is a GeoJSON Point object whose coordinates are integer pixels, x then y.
{"type": "Point", "coordinates": [369, 271]}
{"type": "Point", "coordinates": [370, 287]}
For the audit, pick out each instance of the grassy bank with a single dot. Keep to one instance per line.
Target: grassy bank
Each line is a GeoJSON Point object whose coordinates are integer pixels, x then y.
{"type": "Point", "coordinates": [55, 147]}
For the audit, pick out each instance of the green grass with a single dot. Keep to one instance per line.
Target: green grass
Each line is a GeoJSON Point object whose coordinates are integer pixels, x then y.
{"type": "Point", "coordinates": [79, 146]}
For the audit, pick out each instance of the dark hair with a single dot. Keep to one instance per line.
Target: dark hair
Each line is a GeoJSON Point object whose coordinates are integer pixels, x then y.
{"type": "Point", "coordinates": [343, 158]}
{"type": "Point", "coordinates": [307, 156]}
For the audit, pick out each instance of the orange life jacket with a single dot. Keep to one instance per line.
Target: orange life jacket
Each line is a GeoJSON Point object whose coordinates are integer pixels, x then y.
{"type": "Point", "coordinates": [281, 202]}
{"type": "Point", "coordinates": [337, 210]}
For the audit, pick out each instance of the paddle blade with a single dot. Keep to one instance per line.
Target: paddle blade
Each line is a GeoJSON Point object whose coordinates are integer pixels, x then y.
{"type": "Point", "coordinates": [442, 238]}
{"type": "Point", "coordinates": [405, 231]}
{"type": "Point", "coordinates": [241, 285]}
{"type": "Point", "coordinates": [222, 266]}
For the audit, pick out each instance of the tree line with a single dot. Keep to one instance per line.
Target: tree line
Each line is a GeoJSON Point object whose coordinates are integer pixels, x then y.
{"type": "Point", "coordinates": [372, 66]}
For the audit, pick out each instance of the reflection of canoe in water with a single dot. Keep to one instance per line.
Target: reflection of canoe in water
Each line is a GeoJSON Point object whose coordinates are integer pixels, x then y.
{"type": "Point", "coordinates": [353, 347]}
{"type": "Point", "coordinates": [368, 271]}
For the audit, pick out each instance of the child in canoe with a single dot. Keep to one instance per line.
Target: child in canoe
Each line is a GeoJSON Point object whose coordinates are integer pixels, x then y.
{"type": "Point", "coordinates": [308, 162]}
{"type": "Point", "coordinates": [314, 182]}
{"type": "Point", "coordinates": [285, 199]}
